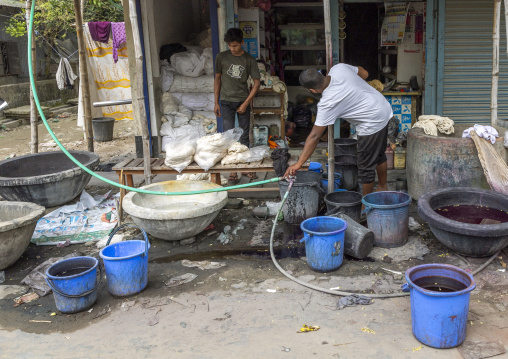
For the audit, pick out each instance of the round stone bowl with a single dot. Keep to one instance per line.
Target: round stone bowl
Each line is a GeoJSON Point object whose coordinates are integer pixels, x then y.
{"type": "Point", "coordinates": [475, 240]}
{"type": "Point", "coordinates": [174, 218]}
{"type": "Point", "coordinates": [17, 225]}
{"type": "Point", "coordinates": [49, 179]}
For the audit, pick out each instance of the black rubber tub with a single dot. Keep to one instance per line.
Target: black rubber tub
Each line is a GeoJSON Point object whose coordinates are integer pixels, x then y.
{"type": "Point", "coordinates": [345, 146]}
{"type": "Point", "coordinates": [454, 214]}
{"type": "Point", "coordinates": [347, 166]}
{"type": "Point", "coordinates": [49, 179]}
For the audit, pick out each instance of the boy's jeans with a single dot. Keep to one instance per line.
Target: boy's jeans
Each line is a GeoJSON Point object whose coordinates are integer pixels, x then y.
{"type": "Point", "coordinates": [228, 111]}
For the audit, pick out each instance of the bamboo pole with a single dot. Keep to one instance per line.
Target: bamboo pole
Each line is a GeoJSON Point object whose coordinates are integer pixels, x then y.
{"type": "Point", "coordinates": [495, 62]}
{"type": "Point", "coordinates": [34, 115]}
{"type": "Point", "coordinates": [83, 76]}
{"type": "Point", "coordinates": [137, 93]}
{"type": "Point", "coordinates": [329, 64]}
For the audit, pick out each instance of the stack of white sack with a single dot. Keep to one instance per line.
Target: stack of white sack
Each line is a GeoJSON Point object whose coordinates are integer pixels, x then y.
{"type": "Point", "coordinates": [180, 145]}
{"type": "Point", "coordinates": [185, 84]}
{"type": "Point", "coordinates": [239, 153]}
{"type": "Point", "coordinates": [200, 177]}
{"type": "Point", "coordinates": [174, 112]}
{"type": "Point", "coordinates": [167, 75]}
{"type": "Point", "coordinates": [193, 63]}
{"type": "Point", "coordinates": [206, 119]}
{"type": "Point", "coordinates": [211, 149]}
{"type": "Point", "coordinates": [197, 101]}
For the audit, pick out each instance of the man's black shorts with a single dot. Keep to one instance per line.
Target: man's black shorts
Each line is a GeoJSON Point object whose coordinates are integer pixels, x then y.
{"type": "Point", "coordinates": [371, 152]}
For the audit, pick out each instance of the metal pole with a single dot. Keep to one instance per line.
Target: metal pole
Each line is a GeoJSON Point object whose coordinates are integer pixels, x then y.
{"type": "Point", "coordinates": [495, 62]}
{"type": "Point", "coordinates": [83, 76]}
{"type": "Point", "coordinates": [329, 64]}
{"type": "Point", "coordinates": [34, 115]}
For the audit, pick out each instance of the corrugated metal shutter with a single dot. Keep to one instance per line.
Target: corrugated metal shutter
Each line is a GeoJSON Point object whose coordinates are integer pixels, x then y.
{"type": "Point", "coordinates": [468, 62]}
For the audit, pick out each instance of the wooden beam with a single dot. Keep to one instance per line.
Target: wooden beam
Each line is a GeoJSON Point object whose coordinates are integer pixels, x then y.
{"type": "Point", "coordinates": [34, 116]}
{"type": "Point", "coordinates": [137, 91]}
{"type": "Point", "coordinates": [329, 64]}
{"type": "Point", "coordinates": [83, 76]}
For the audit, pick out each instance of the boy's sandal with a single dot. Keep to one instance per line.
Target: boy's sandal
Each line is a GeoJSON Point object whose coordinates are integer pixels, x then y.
{"type": "Point", "coordinates": [250, 175]}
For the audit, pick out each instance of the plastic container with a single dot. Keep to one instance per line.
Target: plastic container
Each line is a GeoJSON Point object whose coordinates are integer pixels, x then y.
{"type": "Point", "coordinates": [346, 202]}
{"type": "Point", "coordinates": [273, 130]}
{"type": "Point", "coordinates": [358, 240]}
{"type": "Point", "coordinates": [347, 166]}
{"type": "Point", "coordinates": [126, 264]}
{"type": "Point", "coordinates": [401, 184]}
{"type": "Point", "coordinates": [388, 217]}
{"type": "Point", "coordinates": [336, 182]}
{"type": "Point", "coordinates": [345, 146]}
{"type": "Point", "coordinates": [439, 312]}
{"type": "Point", "coordinates": [303, 200]}
{"type": "Point", "coordinates": [316, 167]}
{"type": "Point", "coordinates": [324, 242]}
{"type": "Point", "coordinates": [260, 135]}
{"type": "Point", "coordinates": [103, 128]}
{"type": "Point", "coordinates": [389, 158]}
{"type": "Point", "coordinates": [399, 158]}
{"type": "Point", "coordinates": [74, 283]}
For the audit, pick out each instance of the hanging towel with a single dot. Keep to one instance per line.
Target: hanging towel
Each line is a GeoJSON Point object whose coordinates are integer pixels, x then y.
{"type": "Point", "coordinates": [100, 31]}
{"type": "Point", "coordinates": [64, 75]}
{"type": "Point", "coordinates": [118, 35]}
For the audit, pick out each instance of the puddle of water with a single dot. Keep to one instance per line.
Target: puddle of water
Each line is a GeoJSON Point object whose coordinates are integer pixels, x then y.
{"type": "Point", "coordinates": [472, 214]}
{"type": "Point", "coordinates": [440, 284]}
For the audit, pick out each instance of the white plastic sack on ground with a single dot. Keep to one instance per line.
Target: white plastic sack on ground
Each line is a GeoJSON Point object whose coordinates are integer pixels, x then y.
{"type": "Point", "coordinates": [167, 75]}
{"type": "Point", "coordinates": [207, 57]}
{"type": "Point", "coordinates": [188, 63]}
{"type": "Point", "coordinates": [200, 101]}
{"type": "Point", "coordinates": [169, 103]}
{"type": "Point", "coordinates": [180, 146]}
{"type": "Point", "coordinates": [212, 148]}
{"type": "Point", "coordinates": [252, 155]}
{"type": "Point", "coordinates": [185, 84]}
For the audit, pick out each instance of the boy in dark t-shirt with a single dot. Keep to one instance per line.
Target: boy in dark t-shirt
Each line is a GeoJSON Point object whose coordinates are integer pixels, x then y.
{"type": "Point", "coordinates": [232, 69]}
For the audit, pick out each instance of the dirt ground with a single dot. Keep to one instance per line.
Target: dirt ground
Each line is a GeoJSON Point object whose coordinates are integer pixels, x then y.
{"type": "Point", "coordinates": [246, 308]}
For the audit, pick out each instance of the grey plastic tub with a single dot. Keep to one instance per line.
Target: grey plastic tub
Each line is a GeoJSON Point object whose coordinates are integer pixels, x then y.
{"type": "Point", "coordinates": [103, 128]}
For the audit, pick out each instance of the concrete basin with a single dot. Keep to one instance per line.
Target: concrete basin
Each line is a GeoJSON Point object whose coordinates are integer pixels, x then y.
{"type": "Point", "coordinates": [17, 224]}
{"type": "Point", "coordinates": [175, 217]}
{"type": "Point", "coordinates": [443, 161]}
{"type": "Point", "coordinates": [49, 178]}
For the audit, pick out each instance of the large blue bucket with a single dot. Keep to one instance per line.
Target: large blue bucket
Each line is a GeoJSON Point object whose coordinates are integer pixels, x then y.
{"type": "Point", "coordinates": [126, 264]}
{"type": "Point", "coordinates": [439, 313]}
{"type": "Point", "coordinates": [74, 283]}
{"type": "Point", "coordinates": [324, 242]}
{"type": "Point", "coordinates": [388, 217]}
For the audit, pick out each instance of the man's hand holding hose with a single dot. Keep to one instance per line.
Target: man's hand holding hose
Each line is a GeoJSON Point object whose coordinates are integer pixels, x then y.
{"type": "Point", "coordinates": [308, 149]}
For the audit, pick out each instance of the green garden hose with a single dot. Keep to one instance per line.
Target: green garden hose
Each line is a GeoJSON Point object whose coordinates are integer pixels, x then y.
{"type": "Point", "coordinates": [84, 168]}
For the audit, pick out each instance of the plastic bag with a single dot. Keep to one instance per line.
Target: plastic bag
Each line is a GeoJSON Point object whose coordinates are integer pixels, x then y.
{"type": "Point", "coordinates": [169, 103]}
{"type": "Point", "coordinates": [211, 149]}
{"type": "Point", "coordinates": [188, 63]}
{"type": "Point", "coordinates": [180, 146]}
{"type": "Point", "coordinates": [252, 155]}
{"type": "Point", "coordinates": [302, 116]}
{"type": "Point", "coordinates": [393, 129]}
{"type": "Point", "coordinates": [198, 101]}
{"type": "Point", "coordinates": [167, 75]}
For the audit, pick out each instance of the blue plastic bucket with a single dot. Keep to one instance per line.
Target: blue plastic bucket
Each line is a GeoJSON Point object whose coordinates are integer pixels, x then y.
{"type": "Point", "coordinates": [439, 314]}
{"type": "Point", "coordinates": [336, 182]}
{"type": "Point", "coordinates": [316, 167]}
{"type": "Point", "coordinates": [324, 242]}
{"type": "Point", "coordinates": [126, 264]}
{"type": "Point", "coordinates": [388, 217]}
{"type": "Point", "coordinates": [74, 283]}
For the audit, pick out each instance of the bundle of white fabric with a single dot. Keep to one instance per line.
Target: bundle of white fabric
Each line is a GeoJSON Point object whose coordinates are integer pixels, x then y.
{"type": "Point", "coordinates": [487, 132]}
{"type": "Point", "coordinates": [433, 123]}
{"type": "Point", "coordinates": [239, 153]}
{"type": "Point", "coordinates": [212, 148]}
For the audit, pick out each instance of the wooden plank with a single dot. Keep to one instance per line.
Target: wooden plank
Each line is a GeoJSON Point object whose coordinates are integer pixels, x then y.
{"type": "Point", "coordinates": [137, 163]}
{"type": "Point", "coordinates": [122, 164]}
{"type": "Point", "coordinates": [266, 111]}
{"type": "Point", "coordinates": [158, 163]}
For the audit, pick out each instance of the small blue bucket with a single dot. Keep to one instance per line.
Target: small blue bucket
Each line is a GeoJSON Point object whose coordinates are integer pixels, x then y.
{"type": "Point", "coordinates": [74, 283]}
{"type": "Point", "coordinates": [316, 167]}
{"type": "Point", "coordinates": [388, 217]}
{"type": "Point", "coordinates": [439, 313]}
{"type": "Point", "coordinates": [324, 242]}
{"type": "Point", "coordinates": [126, 264]}
{"type": "Point", "coordinates": [336, 182]}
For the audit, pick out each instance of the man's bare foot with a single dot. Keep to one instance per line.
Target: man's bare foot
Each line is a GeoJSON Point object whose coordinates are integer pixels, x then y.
{"type": "Point", "coordinates": [381, 189]}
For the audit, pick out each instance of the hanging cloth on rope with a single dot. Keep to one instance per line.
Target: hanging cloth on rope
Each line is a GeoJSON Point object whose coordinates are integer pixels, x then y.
{"type": "Point", "coordinates": [100, 31]}
{"type": "Point", "coordinates": [64, 75]}
{"type": "Point", "coordinates": [118, 36]}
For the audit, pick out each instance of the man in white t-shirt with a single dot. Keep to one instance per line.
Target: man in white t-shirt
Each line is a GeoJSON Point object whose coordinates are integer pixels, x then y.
{"type": "Point", "coordinates": [345, 94]}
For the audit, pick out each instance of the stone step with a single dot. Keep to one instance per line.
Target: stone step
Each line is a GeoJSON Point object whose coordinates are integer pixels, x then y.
{"type": "Point", "coordinates": [23, 112]}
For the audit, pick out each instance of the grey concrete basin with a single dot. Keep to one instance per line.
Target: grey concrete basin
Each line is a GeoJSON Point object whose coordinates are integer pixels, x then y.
{"type": "Point", "coordinates": [17, 224]}
{"type": "Point", "coordinates": [175, 217]}
{"type": "Point", "coordinates": [49, 178]}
